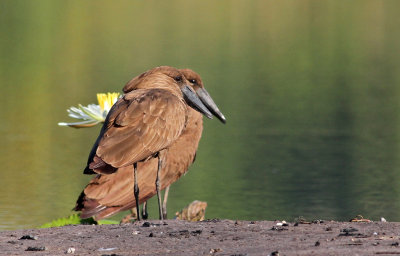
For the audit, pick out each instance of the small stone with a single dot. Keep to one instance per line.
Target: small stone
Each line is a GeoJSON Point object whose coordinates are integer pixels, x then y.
{"type": "Point", "coordinates": [383, 219]}
{"type": "Point", "coordinates": [70, 250]}
{"type": "Point", "coordinates": [349, 230]}
{"type": "Point", "coordinates": [151, 234]}
{"type": "Point", "coordinates": [395, 244]}
{"type": "Point", "coordinates": [36, 248]}
{"type": "Point", "coordinates": [146, 224]}
{"type": "Point", "coordinates": [282, 223]}
{"type": "Point", "coordinates": [136, 232]}
{"type": "Point", "coordinates": [28, 237]}
{"type": "Point", "coordinates": [106, 249]}
{"type": "Point", "coordinates": [212, 251]}
{"type": "Point", "coordinates": [278, 228]}
{"type": "Point", "coordinates": [317, 243]}
{"type": "Point", "coordinates": [275, 253]}
{"type": "Point", "coordinates": [196, 232]}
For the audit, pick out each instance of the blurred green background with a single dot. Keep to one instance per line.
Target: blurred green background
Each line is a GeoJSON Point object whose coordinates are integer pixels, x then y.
{"type": "Point", "coordinates": [310, 90]}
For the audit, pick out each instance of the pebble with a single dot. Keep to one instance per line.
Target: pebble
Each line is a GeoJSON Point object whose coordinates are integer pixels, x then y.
{"type": "Point", "coordinates": [36, 249]}
{"type": "Point", "coordinates": [212, 251]}
{"type": "Point", "coordinates": [283, 223]}
{"type": "Point", "coordinates": [106, 249]}
{"type": "Point", "coordinates": [70, 250]}
{"type": "Point", "coordinates": [28, 237]}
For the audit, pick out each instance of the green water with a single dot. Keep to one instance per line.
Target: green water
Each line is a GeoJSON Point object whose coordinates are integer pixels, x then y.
{"type": "Point", "coordinates": [310, 90]}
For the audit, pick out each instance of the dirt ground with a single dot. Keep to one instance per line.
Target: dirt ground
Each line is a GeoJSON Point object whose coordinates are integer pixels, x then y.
{"type": "Point", "coordinates": [210, 237]}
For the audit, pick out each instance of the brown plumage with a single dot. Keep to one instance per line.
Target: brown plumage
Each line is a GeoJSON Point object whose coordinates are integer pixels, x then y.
{"type": "Point", "coordinates": [111, 191]}
{"type": "Point", "coordinates": [142, 122]}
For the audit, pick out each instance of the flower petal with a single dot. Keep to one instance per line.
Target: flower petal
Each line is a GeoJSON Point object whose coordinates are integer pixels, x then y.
{"type": "Point", "coordinates": [92, 114]}
{"type": "Point", "coordinates": [83, 124]}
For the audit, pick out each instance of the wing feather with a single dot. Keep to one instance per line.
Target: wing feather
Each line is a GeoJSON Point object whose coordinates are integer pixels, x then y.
{"type": "Point", "coordinates": [142, 123]}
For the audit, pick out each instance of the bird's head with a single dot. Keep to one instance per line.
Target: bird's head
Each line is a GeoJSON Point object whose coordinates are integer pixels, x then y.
{"type": "Point", "coordinates": [197, 84]}
{"type": "Point", "coordinates": [172, 80]}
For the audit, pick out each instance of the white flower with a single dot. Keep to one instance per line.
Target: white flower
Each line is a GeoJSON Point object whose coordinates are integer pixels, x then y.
{"type": "Point", "coordinates": [92, 114]}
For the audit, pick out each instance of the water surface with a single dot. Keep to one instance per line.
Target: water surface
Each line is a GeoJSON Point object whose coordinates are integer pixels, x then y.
{"type": "Point", "coordinates": [310, 90]}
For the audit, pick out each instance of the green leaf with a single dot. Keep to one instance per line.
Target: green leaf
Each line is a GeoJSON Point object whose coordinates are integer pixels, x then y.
{"type": "Point", "coordinates": [73, 219]}
{"type": "Point", "coordinates": [105, 222]}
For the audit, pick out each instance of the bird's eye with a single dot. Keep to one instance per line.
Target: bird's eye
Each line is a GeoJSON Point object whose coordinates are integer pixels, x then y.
{"type": "Point", "coordinates": [178, 78]}
{"type": "Point", "coordinates": [193, 81]}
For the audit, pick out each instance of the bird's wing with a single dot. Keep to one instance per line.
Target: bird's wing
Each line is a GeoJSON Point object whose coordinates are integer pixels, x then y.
{"type": "Point", "coordinates": [140, 124]}
{"type": "Point", "coordinates": [106, 195]}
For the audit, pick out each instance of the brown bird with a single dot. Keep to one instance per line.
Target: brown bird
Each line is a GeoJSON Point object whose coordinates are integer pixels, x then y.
{"type": "Point", "coordinates": [143, 124]}
{"type": "Point", "coordinates": [197, 84]}
{"type": "Point", "coordinates": [128, 138]}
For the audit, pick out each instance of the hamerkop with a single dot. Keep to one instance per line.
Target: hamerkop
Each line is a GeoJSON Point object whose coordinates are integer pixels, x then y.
{"type": "Point", "coordinates": [144, 131]}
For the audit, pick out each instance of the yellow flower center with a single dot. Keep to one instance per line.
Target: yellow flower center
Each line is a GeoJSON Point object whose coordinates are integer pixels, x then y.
{"type": "Point", "coordinates": [106, 100]}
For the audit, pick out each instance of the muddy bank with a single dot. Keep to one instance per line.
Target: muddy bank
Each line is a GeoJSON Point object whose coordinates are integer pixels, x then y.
{"type": "Point", "coordinates": [212, 237]}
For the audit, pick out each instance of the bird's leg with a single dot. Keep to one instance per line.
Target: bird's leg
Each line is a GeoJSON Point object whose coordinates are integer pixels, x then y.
{"type": "Point", "coordinates": [136, 190]}
{"type": "Point", "coordinates": [145, 214]}
{"type": "Point", "coordinates": [158, 186]}
{"type": "Point", "coordinates": [164, 206]}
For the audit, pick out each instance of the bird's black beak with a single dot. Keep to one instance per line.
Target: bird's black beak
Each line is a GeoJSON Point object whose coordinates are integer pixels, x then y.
{"type": "Point", "coordinates": [210, 104]}
{"type": "Point", "coordinates": [194, 101]}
